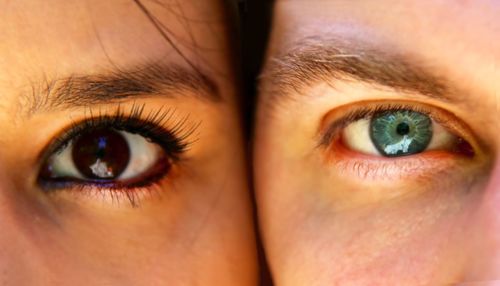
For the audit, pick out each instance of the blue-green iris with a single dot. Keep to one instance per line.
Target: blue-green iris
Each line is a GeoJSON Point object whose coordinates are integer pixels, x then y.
{"type": "Point", "coordinates": [400, 132]}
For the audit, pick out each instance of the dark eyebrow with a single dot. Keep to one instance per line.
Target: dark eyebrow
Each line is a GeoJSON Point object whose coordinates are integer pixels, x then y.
{"type": "Point", "coordinates": [117, 84]}
{"type": "Point", "coordinates": [314, 59]}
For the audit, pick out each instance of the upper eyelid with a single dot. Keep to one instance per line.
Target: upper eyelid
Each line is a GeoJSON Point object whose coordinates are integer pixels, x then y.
{"type": "Point", "coordinates": [447, 119]}
{"type": "Point", "coordinates": [181, 129]}
{"type": "Point", "coordinates": [168, 129]}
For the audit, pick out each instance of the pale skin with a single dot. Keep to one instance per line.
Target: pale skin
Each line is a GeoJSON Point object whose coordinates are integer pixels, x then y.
{"type": "Point", "coordinates": [333, 216]}
{"type": "Point", "coordinates": [196, 227]}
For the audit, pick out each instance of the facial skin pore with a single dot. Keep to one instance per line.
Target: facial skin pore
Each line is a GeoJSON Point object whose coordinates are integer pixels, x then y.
{"type": "Point", "coordinates": [64, 60]}
{"type": "Point", "coordinates": [330, 215]}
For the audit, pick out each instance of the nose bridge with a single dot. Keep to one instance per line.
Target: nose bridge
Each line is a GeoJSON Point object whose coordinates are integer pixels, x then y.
{"type": "Point", "coordinates": [19, 259]}
{"type": "Point", "coordinates": [483, 233]}
{"type": "Point", "coordinates": [9, 204]}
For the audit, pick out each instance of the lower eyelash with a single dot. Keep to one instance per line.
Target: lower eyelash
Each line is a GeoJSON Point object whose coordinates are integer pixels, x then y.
{"type": "Point", "coordinates": [369, 168]}
{"type": "Point", "coordinates": [133, 196]}
{"type": "Point", "coordinates": [175, 142]}
{"type": "Point", "coordinates": [115, 193]}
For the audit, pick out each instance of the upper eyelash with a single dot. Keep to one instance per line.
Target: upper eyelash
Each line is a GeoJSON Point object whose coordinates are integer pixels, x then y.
{"type": "Point", "coordinates": [174, 140]}
{"type": "Point", "coordinates": [367, 112]}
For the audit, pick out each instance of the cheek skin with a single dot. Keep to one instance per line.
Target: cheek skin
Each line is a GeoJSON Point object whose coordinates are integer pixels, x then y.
{"type": "Point", "coordinates": [366, 179]}
{"type": "Point", "coordinates": [342, 230]}
{"type": "Point", "coordinates": [418, 240]}
{"type": "Point", "coordinates": [484, 242]}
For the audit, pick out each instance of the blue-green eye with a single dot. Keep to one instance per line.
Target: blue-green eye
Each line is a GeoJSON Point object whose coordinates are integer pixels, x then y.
{"type": "Point", "coordinates": [400, 132]}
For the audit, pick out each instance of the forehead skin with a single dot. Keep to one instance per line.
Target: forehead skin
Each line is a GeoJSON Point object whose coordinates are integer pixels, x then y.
{"type": "Point", "coordinates": [456, 37]}
{"type": "Point", "coordinates": [57, 38]}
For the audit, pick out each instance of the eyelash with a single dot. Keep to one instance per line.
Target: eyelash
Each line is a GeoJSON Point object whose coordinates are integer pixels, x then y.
{"type": "Point", "coordinates": [174, 141]}
{"type": "Point", "coordinates": [377, 168]}
{"type": "Point", "coordinates": [366, 112]}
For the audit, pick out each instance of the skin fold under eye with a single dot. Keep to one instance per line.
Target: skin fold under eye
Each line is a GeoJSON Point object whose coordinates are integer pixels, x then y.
{"type": "Point", "coordinates": [115, 153]}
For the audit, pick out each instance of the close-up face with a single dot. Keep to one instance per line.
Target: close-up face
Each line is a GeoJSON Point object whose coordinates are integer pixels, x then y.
{"type": "Point", "coordinates": [375, 143]}
{"type": "Point", "coordinates": [121, 154]}
{"type": "Point", "coordinates": [249, 142]}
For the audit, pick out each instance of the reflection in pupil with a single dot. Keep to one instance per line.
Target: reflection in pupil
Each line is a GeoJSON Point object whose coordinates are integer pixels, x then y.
{"type": "Point", "coordinates": [101, 147]}
{"type": "Point", "coordinates": [403, 128]}
{"type": "Point", "coordinates": [101, 154]}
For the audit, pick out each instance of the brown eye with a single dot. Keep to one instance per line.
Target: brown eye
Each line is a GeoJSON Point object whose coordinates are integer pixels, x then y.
{"type": "Point", "coordinates": [107, 155]}
{"type": "Point", "coordinates": [101, 154]}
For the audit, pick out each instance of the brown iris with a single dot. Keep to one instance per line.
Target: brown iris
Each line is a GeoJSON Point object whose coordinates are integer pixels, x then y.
{"type": "Point", "coordinates": [101, 154]}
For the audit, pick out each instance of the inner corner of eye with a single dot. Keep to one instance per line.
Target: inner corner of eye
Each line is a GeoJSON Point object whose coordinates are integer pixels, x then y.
{"type": "Point", "coordinates": [356, 136]}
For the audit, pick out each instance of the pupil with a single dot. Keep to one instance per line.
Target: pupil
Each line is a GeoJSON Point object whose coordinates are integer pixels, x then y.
{"type": "Point", "coordinates": [403, 128]}
{"type": "Point", "coordinates": [390, 132]}
{"type": "Point", "coordinates": [101, 154]}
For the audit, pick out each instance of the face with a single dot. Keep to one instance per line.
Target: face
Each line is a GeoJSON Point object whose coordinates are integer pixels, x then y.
{"type": "Point", "coordinates": [376, 140]}
{"type": "Point", "coordinates": [121, 153]}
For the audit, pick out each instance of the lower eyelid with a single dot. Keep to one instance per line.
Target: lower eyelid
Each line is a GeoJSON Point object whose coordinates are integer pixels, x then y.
{"type": "Point", "coordinates": [92, 194]}
{"type": "Point", "coordinates": [376, 168]}
{"type": "Point", "coordinates": [113, 194]}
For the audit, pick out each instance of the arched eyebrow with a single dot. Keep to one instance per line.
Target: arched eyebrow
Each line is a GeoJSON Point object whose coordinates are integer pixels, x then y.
{"type": "Point", "coordinates": [118, 84]}
{"type": "Point", "coordinates": [317, 59]}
